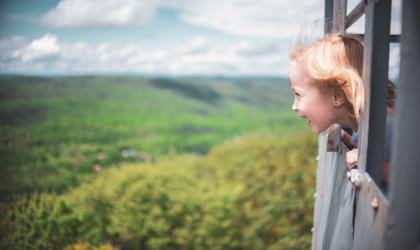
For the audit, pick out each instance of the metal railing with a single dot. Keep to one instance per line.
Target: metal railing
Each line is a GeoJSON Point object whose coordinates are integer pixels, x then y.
{"type": "Point", "coordinates": [361, 217]}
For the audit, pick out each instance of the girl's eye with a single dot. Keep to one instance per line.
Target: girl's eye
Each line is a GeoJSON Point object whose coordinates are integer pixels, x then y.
{"type": "Point", "coordinates": [297, 94]}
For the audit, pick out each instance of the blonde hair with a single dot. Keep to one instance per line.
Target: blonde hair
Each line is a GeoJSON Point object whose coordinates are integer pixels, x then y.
{"type": "Point", "coordinates": [335, 62]}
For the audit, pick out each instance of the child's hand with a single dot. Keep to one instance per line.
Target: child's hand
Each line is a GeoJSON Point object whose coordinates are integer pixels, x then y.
{"type": "Point", "coordinates": [346, 137]}
{"type": "Point", "coordinates": [347, 140]}
{"type": "Point", "coordinates": [351, 158]}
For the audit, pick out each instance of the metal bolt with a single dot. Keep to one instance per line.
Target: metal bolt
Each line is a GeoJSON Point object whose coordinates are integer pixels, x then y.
{"type": "Point", "coordinates": [355, 177]}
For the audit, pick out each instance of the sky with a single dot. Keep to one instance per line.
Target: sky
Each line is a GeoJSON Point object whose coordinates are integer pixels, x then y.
{"type": "Point", "coordinates": [159, 37]}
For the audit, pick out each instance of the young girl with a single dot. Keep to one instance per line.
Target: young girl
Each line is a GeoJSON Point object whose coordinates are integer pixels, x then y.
{"type": "Point", "coordinates": [325, 78]}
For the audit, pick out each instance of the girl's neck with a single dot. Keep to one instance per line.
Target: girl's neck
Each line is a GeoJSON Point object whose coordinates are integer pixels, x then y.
{"type": "Point", "coordinates": [351, 122]}
{"type": "Point", "coordinates": [355, 125]}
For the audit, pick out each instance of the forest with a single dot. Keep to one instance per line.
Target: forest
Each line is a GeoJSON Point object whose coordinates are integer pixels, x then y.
{"type": "Point", "coordinates": [130, 162]}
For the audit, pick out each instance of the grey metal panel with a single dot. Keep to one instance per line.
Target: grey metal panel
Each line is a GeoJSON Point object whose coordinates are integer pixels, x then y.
{"type": "Point", "coordinates": [334, 201]}
{"type": "Point", "coordinates": [375, 76]}
{"type": "Point", "coordinates": [370, 216]}
{"type": "Point", "coordinates": [326, 173]}
{"type": "Point", "coordinates": [342, 212]}
{"type": "Point", "coordinates": [404, 223]}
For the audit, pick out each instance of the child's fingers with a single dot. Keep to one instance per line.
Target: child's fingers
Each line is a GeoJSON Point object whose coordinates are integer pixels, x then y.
{"type": "Point", "coordinates": [351, 158]}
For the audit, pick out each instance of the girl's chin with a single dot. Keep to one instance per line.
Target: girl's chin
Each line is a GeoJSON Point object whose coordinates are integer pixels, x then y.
{"type": "Point", "coordinates": [314, 129]}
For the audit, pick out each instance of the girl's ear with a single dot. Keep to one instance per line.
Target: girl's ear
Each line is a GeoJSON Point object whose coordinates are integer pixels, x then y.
{"type": "Point", "coordinates": [338, 100]}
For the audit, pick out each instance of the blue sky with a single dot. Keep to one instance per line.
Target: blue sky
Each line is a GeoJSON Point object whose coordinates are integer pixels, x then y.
{"type": "Point", "coordinates": [170, 37]}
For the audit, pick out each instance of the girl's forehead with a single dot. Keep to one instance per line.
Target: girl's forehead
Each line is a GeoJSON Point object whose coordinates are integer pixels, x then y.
{"type": "Point", "coordinates": [297, 75]}
{"type": "Point", "coordinates": [296, 70]}
{"type": "Point", "coordinates": [303, 83]}
{"type": "Point", "coordinates": [293, 66]}
{"type": "Point", "coordinates": [292, 72]}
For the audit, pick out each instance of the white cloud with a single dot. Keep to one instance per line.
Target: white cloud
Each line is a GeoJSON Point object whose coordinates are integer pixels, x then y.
{"type": "Point", "coordinates": [252, 18]}
{"type": "Point", "coordinates": [265, 27]}
{"type": "Point", "coordinates": [39, 48]}
{"type": "Point", "coordinates": [92, 13]}
{"type": "Point", "coordinates": [196, 45]}
{"type": "Point", "coordinates": [270, 18]}
{"type": "Point", "coordinates": [264, 32]}
{"type": "Point", "coordinates": [9, 45]}
{"type": "Point", "coordinates": [244, 48]}
{"type": "Point", "coordinates": [199, 55]}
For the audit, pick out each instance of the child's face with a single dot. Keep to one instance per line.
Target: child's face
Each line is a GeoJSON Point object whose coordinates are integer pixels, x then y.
{"type": "Point", "coordinates": [310, 103]}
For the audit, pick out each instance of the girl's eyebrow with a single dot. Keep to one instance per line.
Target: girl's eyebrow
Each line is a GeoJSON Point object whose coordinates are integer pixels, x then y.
{"type": "Point", "coordinates": [295, 90]}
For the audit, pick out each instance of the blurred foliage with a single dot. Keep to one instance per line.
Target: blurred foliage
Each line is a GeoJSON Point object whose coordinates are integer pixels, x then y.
{"type": "Point", "coordinates": [252, 192]}
{"type": "Point", "coordinates": [38, 221]}
{"type": "Point", "coordinates": [143, 163]}
{"type": "Point", "coordinates": [55, 132]}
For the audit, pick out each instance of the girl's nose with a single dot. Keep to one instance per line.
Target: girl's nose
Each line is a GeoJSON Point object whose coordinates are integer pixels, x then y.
{"type": "Point", "coordinates": [294, 107]}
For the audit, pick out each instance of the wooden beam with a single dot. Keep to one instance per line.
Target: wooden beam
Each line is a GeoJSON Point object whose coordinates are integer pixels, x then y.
{"type": "Point", "coordinates": [339, 16]}
{"type": "Point", "coordinates": [356, 13]}
{"type": "Point", "coordinates": [392, 38]}
{"type": "Point", "coordinates": [328, 15]}
{"type": "Point", "coordinates": [403, 230]}
{"type": "Point", "coordinates": [375, 76]}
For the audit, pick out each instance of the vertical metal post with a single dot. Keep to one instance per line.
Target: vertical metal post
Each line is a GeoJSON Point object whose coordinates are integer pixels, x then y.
{"type": "Point", "coordinates": [375, 76]}
{"type": "Point", "coordinates": [403, 230]}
